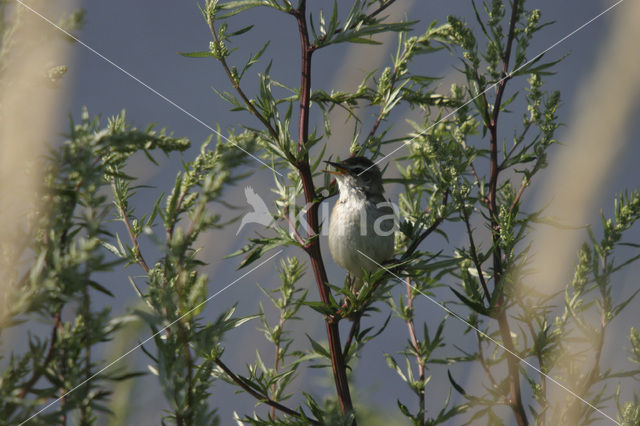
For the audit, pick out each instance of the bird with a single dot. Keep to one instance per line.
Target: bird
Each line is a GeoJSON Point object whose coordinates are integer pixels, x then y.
{"type": "Point", "coordinates": [260, 213]}
{"type": "Point", "coordinates": [361, 225]}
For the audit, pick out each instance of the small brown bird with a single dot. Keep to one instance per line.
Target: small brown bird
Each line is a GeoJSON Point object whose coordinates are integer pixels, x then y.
{"type": "Point", "coordinates": [361, 228]}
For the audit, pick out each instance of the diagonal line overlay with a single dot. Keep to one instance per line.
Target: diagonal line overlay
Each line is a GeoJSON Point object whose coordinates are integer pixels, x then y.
{"type": "Point", "coordinates": [191, 115]}
{"type": "Point", "coordinates": [142, 83]}
{"type": "Point", "coordinates": [450, 312]}
{"type": "Point", "coordinates": [500, 345]}
{"type": "Point", "coordinates": [562, 40]}
{"type": "Point", "coordinates": [103, 369]}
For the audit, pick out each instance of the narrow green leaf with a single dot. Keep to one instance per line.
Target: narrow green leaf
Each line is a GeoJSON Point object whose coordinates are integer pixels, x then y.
{"type": "Point", "coordinates": [202, 54]}
{"type": "Point", "coordinates": [477, 307]}
{"type": "Point", "coordinates": [99, 287]}
{"type": "Point", "coordinates": [318, 348]}
{"type": "Point", "coordinates": [321, 307]}
{"type": "Point", "coordinates": [455, 385]}
{"type": "Point", "coordinates": [240, 31]}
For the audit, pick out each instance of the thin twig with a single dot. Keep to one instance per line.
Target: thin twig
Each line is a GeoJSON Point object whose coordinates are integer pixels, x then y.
{"type": "Point", "coordinates": [376, 124]}
{"type": "Point", "coordinates": [276, 363]}
{"type": "Point", "coordinates": [292, 226]}
{"type": "Point", "coordinates": [37, 372]}
{"type": "Point", "coordinates": [240, 381]}
{"type": "Point", "coordinates": [134, 241]}
{"type": "Point", "coordinates": [436, 223]}
{"type": "Point", "coordinates": [62, 362]}
{"type": "Point", "coordinates": [486, 368]}
{"type": "Point", "coordinates": [86, 305]}
{"type": "Point", "coordinates": [474, 255]}
{"type": "Point", "coordinates": [573, 413]}
{"type": "Point", "coordinates": [370, 16]}
{"type": "Point", "coordinates": [189, 361]}
{"type": "Point", "coordinates": [543, 377]}
{"type": "Point", "coordinates": [174, 220]}
{"type": "Point", "coordinates": [515, 145]}
{"type": "Point", "coordinates": [236, 84]}
{"type": "Point", "coordinates": [523, 186]}
{"type": "Point", "coordinates": [355, 329]}
{"type": "Point", "coordinates": [416, 346]}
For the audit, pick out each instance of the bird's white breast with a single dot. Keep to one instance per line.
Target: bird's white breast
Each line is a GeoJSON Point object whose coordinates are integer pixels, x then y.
{"type": "Point", "coordinates": [352, 230]}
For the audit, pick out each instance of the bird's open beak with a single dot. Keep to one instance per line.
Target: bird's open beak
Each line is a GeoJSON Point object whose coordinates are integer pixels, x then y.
{"type": "Point", "coordinates": [339, 169]}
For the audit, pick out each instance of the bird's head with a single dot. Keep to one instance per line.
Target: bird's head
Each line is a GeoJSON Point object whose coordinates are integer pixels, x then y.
{"type": "Point", "coordinates": [357, 174]}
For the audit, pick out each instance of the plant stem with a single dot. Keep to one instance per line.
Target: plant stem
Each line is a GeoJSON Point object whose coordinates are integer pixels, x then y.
{"type": "Point", "coordinates": [355, 329]}
{"type": "Point", "coordinates": [62, 362]}
{"type": "Point", "coordinates": [416, 346]}
{"type": "Point", "coordinates": [486, 367]}
{"type": "Point", "coordinates": [189, 361]}
{"type": "Point", "coordinates": [127, 224]}
{"type": "Point", "coordinates": [86, 305]}
{"type": "Point", "coordinates": [543, 378]}
{"type": "Point", "coordinates": [313, 247]}
{"type": "Point", "coordinates": [276, 364]}
{"type": "Point", "coordinates": [576, 409]}
{"type": "Point", "coordinates": [436, 223]}
{"type": "Point", "coordinates": [236, 84]}
{"type": "Point", "coordinates": [37, 372]}
{"type": "Point", "coordinates": [380, 9]}
{"type": "Point", "coordinates": [513, 363]}
{"type": "Point", "coordinates": [263, 398]}
{"type": "Point", "coordinates": [474, 255]}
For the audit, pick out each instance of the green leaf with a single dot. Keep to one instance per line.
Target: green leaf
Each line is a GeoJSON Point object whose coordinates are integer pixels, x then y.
{"type": "Point", "coordinates": [321, 307]}
{"type": "Point", "coordinates": [257, 247]}
{"type": "Point", "coordinates": [403, 409]}
{"type": "Point", "coordinates": [392, 364]}
{"type": "Point", "coordinates": [455, 385]}
{"type": "Point", "coordinates": [126, 376]}
{"type": "Point", "coordinates": [623, 305]}
{"type": "Point", "coordinates": [360, 40]}
{"type": "Point", "coordinates": [240, 31]}
{"type": "Point", "coordinates": [113, 249]}
{"type": "Point", "coordinates": [99, 287]}
{"type": "Point", "coordinates": [253, 59]}
{"type": "Point", "coordinates": [318, 348]}
{"type": "Point", "coordinates": [475, 306]}
{"type": "Point", "coordinates": [235, 7]}
{"type": "Point", "coordinates": [539, 69]}
{"type": "Point", "coordinates": [202, 54]}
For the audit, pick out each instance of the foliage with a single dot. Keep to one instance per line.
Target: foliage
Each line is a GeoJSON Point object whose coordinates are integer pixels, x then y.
{"type": "Point", "coordinates": [455, 169]}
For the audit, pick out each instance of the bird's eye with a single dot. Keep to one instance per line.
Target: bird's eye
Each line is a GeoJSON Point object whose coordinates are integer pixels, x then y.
{"type": "Point", "coordinates": [358, 170]}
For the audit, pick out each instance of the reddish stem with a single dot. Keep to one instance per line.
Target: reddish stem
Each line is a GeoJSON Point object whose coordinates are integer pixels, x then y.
{"type": "Point", "coordinates": [313, 247]}
{"type": "Point", "coordinates": [513, 363]}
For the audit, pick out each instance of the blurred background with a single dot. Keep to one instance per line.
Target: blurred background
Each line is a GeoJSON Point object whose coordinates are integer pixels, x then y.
{"type": "Point", "coordinates": [598, 156]}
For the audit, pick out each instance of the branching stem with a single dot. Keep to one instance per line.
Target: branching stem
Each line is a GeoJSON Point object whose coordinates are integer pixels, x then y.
{"type": "Point", "coordinates": [125, 219]}
{"type": "Point", "coordinates": [37, 372]}
{"type": "Point", "coordinates": [313, 248]}
{"type": "Point", "coordinates": [434, 226]}
{"type": "Point", "coordinates": [513, 363]}
{"type": "Point", "coordinates": [240, 381]}
{"type": "Point", "coordinates": [236, 84]}
{"type": "Point", "coordinates": [474, 255]}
